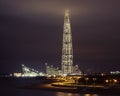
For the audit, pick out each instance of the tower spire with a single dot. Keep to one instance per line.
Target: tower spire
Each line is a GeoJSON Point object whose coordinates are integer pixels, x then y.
{"type": "Point", "coordinates": [67, 48]}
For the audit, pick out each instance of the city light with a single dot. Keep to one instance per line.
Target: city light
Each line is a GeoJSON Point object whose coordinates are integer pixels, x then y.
{"type": "Point", "coordinates": [106, 81]}
{"type": "Point", "coordinates": [115, 80]}
{"type": "Point", "coordinates": [28, 72]}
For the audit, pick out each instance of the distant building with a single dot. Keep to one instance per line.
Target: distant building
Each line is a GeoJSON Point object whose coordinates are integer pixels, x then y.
{"type": "Point", "coordinates": [50, 70]}
{"type": "Point", "coordinates": [28, 72]}
{"type": "Point", "coordinates": [76, 70]}
{"type": "Point", "coordinates": [17, 74]}
{"type": "Point", "coordinates": [67, 53]}
{"type": "Point", "coordinates": [115, 72]}
{"type": "Point", "coordinates": [67, 48]}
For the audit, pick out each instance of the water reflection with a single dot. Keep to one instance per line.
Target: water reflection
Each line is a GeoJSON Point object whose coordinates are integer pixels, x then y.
{"type": "Point", "coordinates": [87, 95]}
{"type": "Point", "coordinates": [73, 94]}
{"type": "Point", "coordinates": [90, 95]}
{"type": "Point", "coordinates": [94, 95]}
{"type": "Point", "coordinates": [66, 94]}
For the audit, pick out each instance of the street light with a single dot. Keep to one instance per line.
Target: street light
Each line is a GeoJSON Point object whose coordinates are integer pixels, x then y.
{"type": "Point", "coordinates": [94, 79]}
{"type": "Point", "coordinates": [106, 81]}
{"type": "Point", "coordinates": [86, 79]}
{"type": "Point", "coordinates": [115, 80]}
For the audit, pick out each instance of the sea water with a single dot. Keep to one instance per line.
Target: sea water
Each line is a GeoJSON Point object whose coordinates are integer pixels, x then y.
{"type": "Point", "coordinates": [12, 87]}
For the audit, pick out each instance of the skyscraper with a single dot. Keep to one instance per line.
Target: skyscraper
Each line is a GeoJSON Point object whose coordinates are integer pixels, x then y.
{"type": "Point", "coordinates": [67, 48]}
{"type": "Point", "coordinates": [67, 53]}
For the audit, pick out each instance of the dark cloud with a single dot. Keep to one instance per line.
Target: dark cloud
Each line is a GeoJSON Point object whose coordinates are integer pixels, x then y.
{"type": "Point", "coordinates": [31, 33]}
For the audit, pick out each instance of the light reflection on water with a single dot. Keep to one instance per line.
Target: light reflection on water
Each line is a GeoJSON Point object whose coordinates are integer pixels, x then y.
{"type": "Point", "coordinates": [66, 94]}
{"type": "Point", "coordinates": [94, 95]}
{"type": "Point", "coordinates": [90, 95]}
{"type": "Point", "coordinates": [73, 94]}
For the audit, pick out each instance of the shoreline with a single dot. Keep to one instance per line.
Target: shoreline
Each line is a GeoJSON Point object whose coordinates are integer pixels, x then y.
{"type": "Point", "coordinates": [75, 89]}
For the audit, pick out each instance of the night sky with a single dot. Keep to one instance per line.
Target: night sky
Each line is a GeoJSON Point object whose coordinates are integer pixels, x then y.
{"type": "Point", "coordinates": [31, 34]}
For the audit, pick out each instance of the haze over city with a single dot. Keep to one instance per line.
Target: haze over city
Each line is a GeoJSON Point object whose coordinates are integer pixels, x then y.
{"type": "Point", "coordinates": [31, 34]}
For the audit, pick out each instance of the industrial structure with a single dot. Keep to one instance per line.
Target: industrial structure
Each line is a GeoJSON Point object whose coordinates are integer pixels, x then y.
{"type": "Point", "coordinates": [67, 52]}
{"type": "Point", "coordinates": [28, 72]}
{"type": "Point", "coordinates": [52, 71]}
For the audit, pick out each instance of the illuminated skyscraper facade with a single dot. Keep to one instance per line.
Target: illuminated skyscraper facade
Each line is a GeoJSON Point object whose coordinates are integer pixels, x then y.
{"type": "Point", "coordinates": [67, 48]}
{"type": "Point", "coordinates": [67, 67]}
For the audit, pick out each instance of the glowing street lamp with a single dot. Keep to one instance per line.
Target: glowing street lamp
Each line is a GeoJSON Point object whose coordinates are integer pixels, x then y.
{"type": "Point", "coordinates": [94, 79]}
{"type": "Point", "coordinates": [86, 79]}
{"type": "Point", "coordinates": [115, 81]}
{"type": "Point", "coordinates": [106, 81]}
